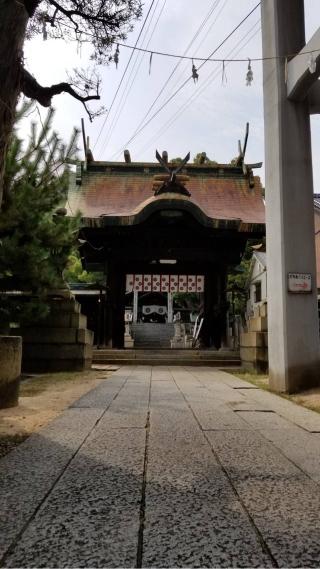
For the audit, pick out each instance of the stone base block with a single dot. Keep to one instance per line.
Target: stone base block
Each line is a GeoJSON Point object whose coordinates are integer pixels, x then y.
{"type": "Point", "coordinates": [61, 342]}
{"type": "Point", "coordinates": [57, 335]}
{"type": "Point", "coordinates": [10, 370]}
{"type": "Point", "coordinates": [264, 310]}
{"type": "Point", "coordinates": [255, 367]}
{"type": "Point", "coordinates": [258, 324]}
{"type": "Point", "coordinates": [128, 341]}
{"type": "Point", "coordinates": [52, 366]}
{"type": "Point", "coordinates": [254, 339]}
{"type": "Point", "coordinates": [250, 354]}
{"type": "Point", "coordinates": [63, 320]}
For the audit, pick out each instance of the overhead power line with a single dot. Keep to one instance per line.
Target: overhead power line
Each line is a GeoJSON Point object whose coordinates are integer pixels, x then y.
{"type": "Point", "coordinates": [129, 85]}
{"type": "Point", "coordinates": [190, 77]}
{"type": "Point", "coordinates": [125, 71]}
{"type": "Point", "coordinates": [213, 75]}
{"type": "Point", "coordinates": [196, 34]}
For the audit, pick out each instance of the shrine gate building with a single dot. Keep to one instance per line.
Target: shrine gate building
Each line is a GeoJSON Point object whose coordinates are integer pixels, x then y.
{"type": "Point", "coordinates": [152, 229]}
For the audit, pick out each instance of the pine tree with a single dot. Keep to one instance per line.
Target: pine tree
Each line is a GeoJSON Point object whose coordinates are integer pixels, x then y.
{"type": "Point", "coordinates": [35, 239]}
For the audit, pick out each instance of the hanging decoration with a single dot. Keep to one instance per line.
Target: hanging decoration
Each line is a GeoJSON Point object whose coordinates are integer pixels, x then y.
{"type": "Point", "coordinates": [224, 78]}
{"type": "Point", "coordinates": [312, 64]}
{"type": "Point", "coordinates": [116, 56]}
{"type": "Point", "coordinates": [195, 75]}
{"type": "Point", "coordinates": [44, 28]}
{"type": "Point", "coordinates": [150, 63]}
{"type": "Point", "coordinates": [249, 76]}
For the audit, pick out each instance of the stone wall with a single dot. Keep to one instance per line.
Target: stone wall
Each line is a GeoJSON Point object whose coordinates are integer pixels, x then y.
{"type": "Point", "coordinates": [254, 343]}
{"type": "Point", "coordinates": [61, 342]}
{"type": "Point", "coordinates": [10, 370]}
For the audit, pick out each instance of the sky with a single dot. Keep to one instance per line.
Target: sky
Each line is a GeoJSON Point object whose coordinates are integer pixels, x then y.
{"type": "Point", "coordinates": [208, 116]}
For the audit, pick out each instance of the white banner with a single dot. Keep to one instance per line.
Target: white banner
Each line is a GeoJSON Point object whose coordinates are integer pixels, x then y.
{"type": "Point", "coordinates": [165, 283]}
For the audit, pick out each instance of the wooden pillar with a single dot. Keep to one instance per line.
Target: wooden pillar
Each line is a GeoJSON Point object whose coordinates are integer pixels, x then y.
{"type": "Point", "coordinates": [209, 333]}
{"type": "Point", "coordinates": [108, 304]}
{"type": "Point", "coordinates": [115, 306]}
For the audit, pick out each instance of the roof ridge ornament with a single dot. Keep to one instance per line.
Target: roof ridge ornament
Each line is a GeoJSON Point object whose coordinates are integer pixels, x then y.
{"type": "Point", "coordinates": [172, 182]}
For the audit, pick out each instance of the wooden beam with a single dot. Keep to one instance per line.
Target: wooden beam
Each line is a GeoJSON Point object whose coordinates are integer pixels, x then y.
{"type": "Point", "coordinates": [300, 80]}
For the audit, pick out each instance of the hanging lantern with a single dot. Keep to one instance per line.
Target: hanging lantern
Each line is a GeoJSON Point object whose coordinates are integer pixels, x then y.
{"type": "Point", "coordinates": [312, 64]}
{"type": "Point", "coordinates": [249, 76]}
{"type": "Point", "coordinates": [116, 56]}
{"type": "Point", "coordinates": [195, 75]}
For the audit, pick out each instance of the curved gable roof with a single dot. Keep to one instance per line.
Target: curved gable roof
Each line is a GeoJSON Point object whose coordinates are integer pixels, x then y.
{"type": "Point", "coordinates": [116, 191]}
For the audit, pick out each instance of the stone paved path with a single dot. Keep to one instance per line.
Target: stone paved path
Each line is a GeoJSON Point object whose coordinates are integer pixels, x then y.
{"type": "Point", "coordinates": [166, 467]}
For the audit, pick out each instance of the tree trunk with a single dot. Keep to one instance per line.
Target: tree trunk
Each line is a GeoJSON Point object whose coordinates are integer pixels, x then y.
{"type": "Point", "coordinates": [13, 23]}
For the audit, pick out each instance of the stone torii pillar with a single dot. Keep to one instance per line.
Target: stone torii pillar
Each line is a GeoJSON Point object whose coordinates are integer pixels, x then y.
{"type": "Point", "coordinates": [289, 97]}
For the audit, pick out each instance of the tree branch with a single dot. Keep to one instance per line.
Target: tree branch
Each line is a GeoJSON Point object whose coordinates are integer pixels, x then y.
{"type": "Point", "coordinates": [82, 14]}
{"type": "Point", "coordinates": [33, 90]}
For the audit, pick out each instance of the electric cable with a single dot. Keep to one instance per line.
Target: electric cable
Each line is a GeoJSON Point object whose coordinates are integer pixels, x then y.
{"type": "Point", "coordinates": [204, 21]}
{"type": "Point", "coordinates": [213, 75]}
{"type": "Point", "coordinates": [188, 79]}
{"type": "Point", "coordinates": [125, 71]}
{"type": "Point", "coordinates": [128, 86]}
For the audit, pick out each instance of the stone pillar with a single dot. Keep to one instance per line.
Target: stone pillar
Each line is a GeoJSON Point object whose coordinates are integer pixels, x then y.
{"type": "Point", "coordinates": [135, 306]}
{"type": "Point", "coordinates": [170, 308]}
{"type": "Point", "coordinates": [10, 370]}
{"type": "Point", "coordinates": [293, 320]}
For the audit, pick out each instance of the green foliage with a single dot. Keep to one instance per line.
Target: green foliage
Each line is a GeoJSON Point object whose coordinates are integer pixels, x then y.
{"type": "Point", "coordinates": [198, 159]}
{"type": "Point", "coordinates": [35, 241]}
{"type": "Point", "coordinates": [176, 160]}
{"type": "Point", "coordinates": [189, 300]}
{"type": "Point", "coordinates": [238, 278]}
{"type": "Point", "coordinates": [74, 272]}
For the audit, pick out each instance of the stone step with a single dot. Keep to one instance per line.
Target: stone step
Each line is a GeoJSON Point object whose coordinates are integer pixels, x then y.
{"type": "Point", "coordinates": [167, 357]}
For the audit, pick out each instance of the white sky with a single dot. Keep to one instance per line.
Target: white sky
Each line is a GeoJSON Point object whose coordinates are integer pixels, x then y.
{"type": "Point", "coordinates": [212, 121]}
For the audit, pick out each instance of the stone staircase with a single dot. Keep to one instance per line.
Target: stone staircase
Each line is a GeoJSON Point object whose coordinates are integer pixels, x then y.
{"type": "Point", "coordinates": [152, 336]}
{"type": "Point", "coordinates": [213, 358]}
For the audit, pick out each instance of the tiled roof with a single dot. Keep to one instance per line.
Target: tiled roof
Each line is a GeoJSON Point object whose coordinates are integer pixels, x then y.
{"type": "Point", "coordinates": [221, 194]}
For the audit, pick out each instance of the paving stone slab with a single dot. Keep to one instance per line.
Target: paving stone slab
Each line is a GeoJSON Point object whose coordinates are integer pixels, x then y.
{"type": "Point", "coordinates": [101, 396]}
{"type": "Point", "coordinates": [193, 518]}
{"type": "Point", "coordinates": [29, 472]}
{"type": "Point", "coordinates": [92, 516]}
{"type": "Point", "coordinates": [264, 419]}
{"type": "Point", "coordinates": [210, 409]}
{"type": "Point", "coordinates": [301, 447]}
{"type": "Point", "coordinates": [304, 418]}
{"type": "Point", "coordinates": [283, 502]}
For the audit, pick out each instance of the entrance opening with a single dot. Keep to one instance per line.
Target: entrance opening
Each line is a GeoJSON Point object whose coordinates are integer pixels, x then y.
{"type": "Point", "coordinates": [165, 318]}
